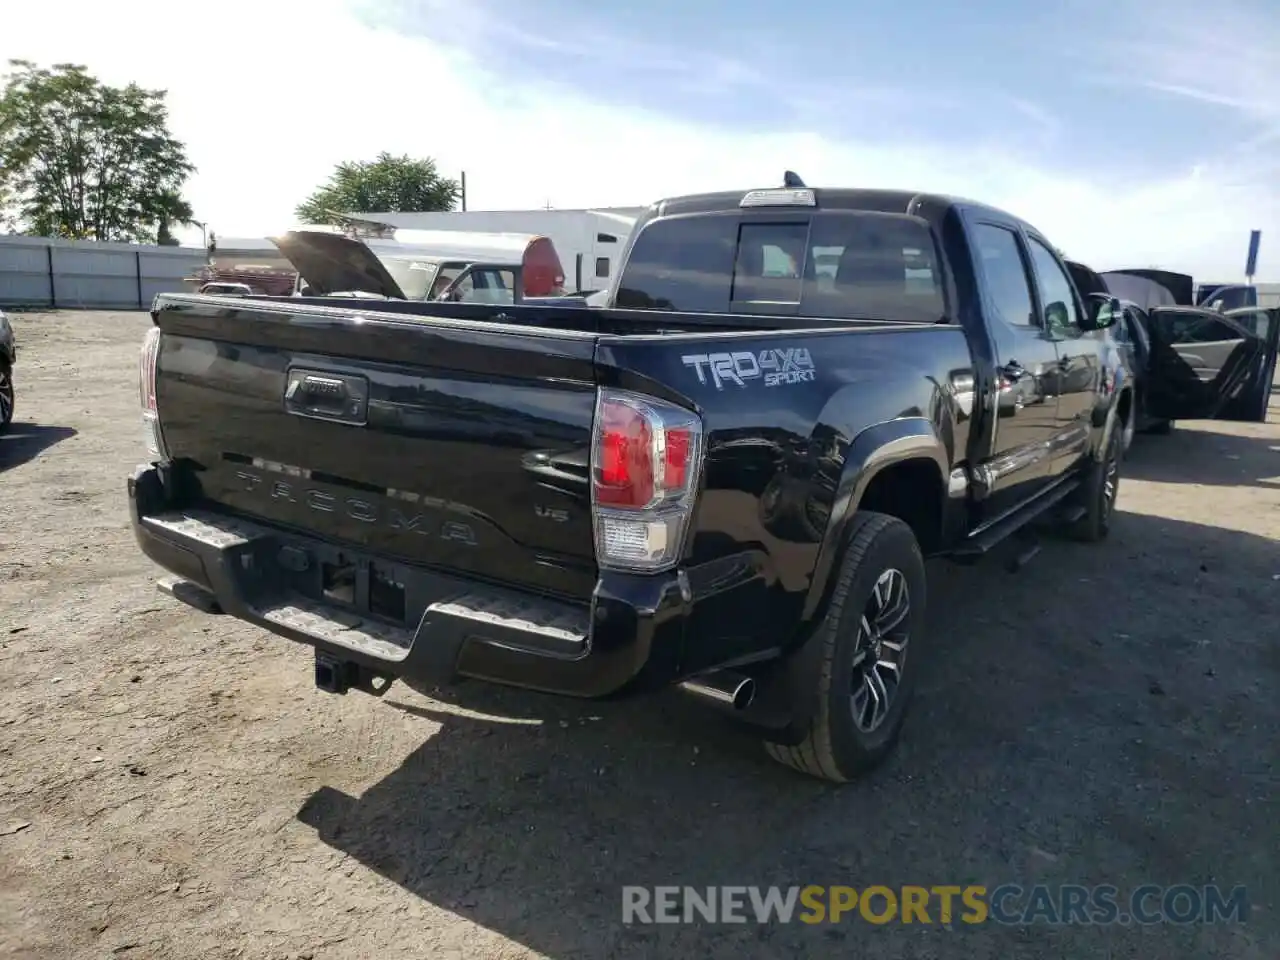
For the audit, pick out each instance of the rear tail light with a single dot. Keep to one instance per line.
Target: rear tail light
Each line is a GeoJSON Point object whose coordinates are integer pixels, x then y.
{"type": "Point", "coordinates": [645, 463]}
{"type": "Point", "coordinates": [147, 393]}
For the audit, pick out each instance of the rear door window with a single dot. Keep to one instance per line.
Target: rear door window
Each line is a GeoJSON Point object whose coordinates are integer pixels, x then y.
{"type": "Point", "coordinates": [831, 265]}
{"type": "Point", "coordinates": [1194, 328]}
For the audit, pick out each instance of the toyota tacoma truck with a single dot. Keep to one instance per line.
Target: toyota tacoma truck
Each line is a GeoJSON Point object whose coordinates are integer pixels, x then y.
{"type": "Point", "coordinates": [727, 477]}
{"type": "Point", "coordinates": [8, 357]}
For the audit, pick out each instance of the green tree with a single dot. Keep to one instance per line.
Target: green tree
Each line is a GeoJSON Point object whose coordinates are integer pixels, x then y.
{"type": "Point", "coordinates": [170, 210]}
{"type": "Point", "coordinates": [385, 185]}
{"type": "Point", "coordinates": [84, 160]}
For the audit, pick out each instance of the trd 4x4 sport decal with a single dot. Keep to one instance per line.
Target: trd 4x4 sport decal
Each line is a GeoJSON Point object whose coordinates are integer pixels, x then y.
{"type": "Point", "coordinates": [777, 368]}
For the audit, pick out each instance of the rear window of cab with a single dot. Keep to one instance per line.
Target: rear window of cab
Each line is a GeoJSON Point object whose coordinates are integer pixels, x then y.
{"type": "Point", "coordinates": [845, 265]}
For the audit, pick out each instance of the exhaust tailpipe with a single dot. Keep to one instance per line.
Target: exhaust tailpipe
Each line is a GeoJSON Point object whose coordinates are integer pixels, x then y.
{"type": "Point", "coordinates": [730, 691]}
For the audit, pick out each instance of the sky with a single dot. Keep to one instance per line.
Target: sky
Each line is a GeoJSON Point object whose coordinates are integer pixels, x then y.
{"type": "Point", "coordinates": [1131, 133]}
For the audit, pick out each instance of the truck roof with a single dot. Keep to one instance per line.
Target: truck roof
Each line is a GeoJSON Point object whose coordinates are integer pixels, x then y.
{"type": "Point", "coordinates": [864, 199]}
{"type": "Point", "coordinates": [839, 198]}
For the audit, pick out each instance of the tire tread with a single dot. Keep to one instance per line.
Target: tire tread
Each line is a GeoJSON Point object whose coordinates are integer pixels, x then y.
{"type": "Point", "coordinates": [815, 755]}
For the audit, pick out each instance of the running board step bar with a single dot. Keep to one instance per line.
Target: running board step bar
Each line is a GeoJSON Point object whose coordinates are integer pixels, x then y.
{"type": "Point", "coordinates": [1024, 556]}
{"type": "Point", "coordinates": [982, 543]}
{"type": "Point", "coordinates": [1072, 514]}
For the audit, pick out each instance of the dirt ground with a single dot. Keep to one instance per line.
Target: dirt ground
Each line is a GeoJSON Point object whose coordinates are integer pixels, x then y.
{"type": "Point", "coordinates": [172, 785]}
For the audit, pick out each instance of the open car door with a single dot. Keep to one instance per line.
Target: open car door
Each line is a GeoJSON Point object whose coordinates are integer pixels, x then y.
{"type": "Point", "coordinates": [1205, 364]}
{"type": "Point", "coordinates": [1254, 398]}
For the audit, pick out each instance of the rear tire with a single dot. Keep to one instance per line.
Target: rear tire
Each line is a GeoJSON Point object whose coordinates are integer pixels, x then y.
{"type": "Point", "coordinates": [869, 642]}
{"type": "Point", "coordinates": [1099, 492]}
{"type": "Point", "coordinates": [6, 397]}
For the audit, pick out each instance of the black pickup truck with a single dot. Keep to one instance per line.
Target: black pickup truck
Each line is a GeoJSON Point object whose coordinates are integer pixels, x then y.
{"type": "Point", "coordinates": [8, 357]}
{"type": "Point", "coordinates": [727, 478]}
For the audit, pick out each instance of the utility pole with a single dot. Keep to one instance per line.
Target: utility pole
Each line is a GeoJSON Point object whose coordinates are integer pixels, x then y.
{"type": "Point", "coordinates": [204, 234]}
{"type": "Point", "coordinates": [1251, 260]}
{"type": "Point", "coordinates": [463, 184]}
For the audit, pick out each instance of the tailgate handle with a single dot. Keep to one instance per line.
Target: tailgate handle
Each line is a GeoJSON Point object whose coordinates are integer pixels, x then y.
{"type": "Point", "coordinates": [326, 396]}
{"type": "Point", "coordinates": [318, 390]}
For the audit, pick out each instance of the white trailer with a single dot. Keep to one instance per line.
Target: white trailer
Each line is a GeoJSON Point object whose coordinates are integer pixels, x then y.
{"type": "Point", "coordinates": [1268, 293]}
{"type": "Point", "coordinates": [589, 242]}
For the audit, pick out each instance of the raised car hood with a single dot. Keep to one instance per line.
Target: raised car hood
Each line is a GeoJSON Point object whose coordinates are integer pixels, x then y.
{"type": "Point", "coordinates": [332, 263]}
{"type": "Point", "coordinates": [1146, 293]}
{"type": "Point", "coordinates": [1174, 289]}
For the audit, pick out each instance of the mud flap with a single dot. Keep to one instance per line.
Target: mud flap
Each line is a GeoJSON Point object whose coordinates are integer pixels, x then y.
{"type": "Point", "coordinates": [786, 698]}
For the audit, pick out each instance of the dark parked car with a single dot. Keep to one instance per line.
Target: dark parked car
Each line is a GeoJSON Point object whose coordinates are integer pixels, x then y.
{"type": "Point", "coordinates": [1204, 363]}
{"type": "Point", "coordinates": [8, 358]}
{"type": "Point", "coordinates": [728, 477]}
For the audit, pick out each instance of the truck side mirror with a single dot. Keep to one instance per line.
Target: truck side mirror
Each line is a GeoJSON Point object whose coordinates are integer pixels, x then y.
{"type": "Point", "coordinates": [1103, 313]}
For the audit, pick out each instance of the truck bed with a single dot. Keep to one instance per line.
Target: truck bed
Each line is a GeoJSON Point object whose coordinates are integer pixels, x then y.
{"type": "Point", "coordinates": [392, 461]}
{"type": "Point", "coordinates": [576, 317]}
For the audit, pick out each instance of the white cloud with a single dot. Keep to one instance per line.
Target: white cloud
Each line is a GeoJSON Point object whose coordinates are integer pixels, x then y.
{"type": "Point", "coordinates": [1221, 56]}
{"type": "Point", "coordinates": [269, 95]}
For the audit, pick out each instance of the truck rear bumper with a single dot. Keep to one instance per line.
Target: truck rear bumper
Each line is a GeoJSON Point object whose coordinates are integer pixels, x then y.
{"type": "Point", "coordinates": [442, 627]}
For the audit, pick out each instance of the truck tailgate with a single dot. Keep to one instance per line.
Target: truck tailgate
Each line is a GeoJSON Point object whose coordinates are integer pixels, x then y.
{"type": "Point", "coordinates": [460, 446]}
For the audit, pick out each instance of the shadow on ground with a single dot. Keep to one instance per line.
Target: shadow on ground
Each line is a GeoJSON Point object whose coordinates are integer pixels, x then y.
{"type": "Point", "coordinates": [1202, 456]}
{"type": "Point", "coordinates": [26, 441]}
{"type": "Point", "coordinates": [1106, 716]}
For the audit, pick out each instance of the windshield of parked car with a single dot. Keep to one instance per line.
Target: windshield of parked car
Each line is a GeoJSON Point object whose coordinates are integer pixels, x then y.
{"type": "Point", "coordinates": [411, 276]}
{"type": "Point", "coordinates": [841, 265]}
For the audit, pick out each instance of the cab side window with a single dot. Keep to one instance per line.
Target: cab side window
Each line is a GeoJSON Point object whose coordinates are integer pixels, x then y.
{"type": "Point", "coordinates": [1005, 273]}
{"type": "Point", "coordinates": [486, 286]}
{"type": "Point", "coordinates": [1057, 296]}
{"type": "Point", "coordinates": [447, 274]}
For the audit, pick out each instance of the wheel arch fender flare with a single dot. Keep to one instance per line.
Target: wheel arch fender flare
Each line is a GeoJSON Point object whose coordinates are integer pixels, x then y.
{"type": "Point", "coordinates": [1111, 420]}
{"type": "Point", "coordinates": [875, 449]}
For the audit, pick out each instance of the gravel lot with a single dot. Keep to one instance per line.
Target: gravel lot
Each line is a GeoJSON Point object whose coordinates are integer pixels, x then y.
{"type": "Point", "coordinates": [172, 785]}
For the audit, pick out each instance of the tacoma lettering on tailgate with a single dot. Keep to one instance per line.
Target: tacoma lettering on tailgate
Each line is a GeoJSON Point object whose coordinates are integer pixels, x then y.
{"type": "Point", "coordinates": [362, 509]}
